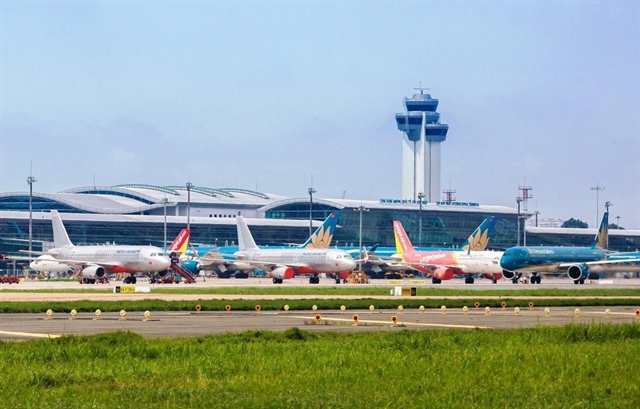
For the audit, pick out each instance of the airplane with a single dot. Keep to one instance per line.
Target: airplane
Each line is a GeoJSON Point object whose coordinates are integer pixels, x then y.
{"type": "Point", "coordinates": [49, 264]}
{"type": "Point", "coordinates": [378, 266]}
{"type": "Point", "coordinates": [444, 265]}
{"type": "Point", "coordinates": [221, 260]}
{"type": "Point", "coordinates": [579, 263]}
{"type": "Point", "coordinates": [97, 261]}
{"type": "Point", "coordinates": [285, 263]}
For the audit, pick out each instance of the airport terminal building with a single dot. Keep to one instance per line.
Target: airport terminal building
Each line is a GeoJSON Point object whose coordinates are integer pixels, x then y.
{"type": "Point", "coordinates": [141, 214]}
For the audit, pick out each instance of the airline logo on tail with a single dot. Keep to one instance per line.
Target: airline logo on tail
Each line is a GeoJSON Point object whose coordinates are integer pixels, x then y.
{"type": "Point", "coordinates": [180, 243]}
{"type": "Point", "coordinates": [600, 241]}
{"type": "Point", "coordinates": [321, 238]}
{"type": "Point", "coordinates": [403, 243]}
{"type": "Point", "coordinates": [479, 239]}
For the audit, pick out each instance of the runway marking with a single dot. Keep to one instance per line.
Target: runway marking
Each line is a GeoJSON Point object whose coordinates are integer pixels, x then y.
{"type": "Point", "coordinates": [399, 323]}
{"type": "Point", "coordinates": [29, 334]}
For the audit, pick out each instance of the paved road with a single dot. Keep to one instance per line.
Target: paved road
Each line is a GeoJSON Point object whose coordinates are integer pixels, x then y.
{"type": "Point", "coordinates": [179, 324]}
{"type": "Point", "coordinates": [173, 324]}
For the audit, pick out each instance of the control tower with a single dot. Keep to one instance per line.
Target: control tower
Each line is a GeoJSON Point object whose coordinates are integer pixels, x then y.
{"type": "Point", "coordinates": [423, 134]}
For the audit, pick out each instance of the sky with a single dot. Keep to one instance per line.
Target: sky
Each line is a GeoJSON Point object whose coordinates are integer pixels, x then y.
{"type": "Point", "coordinates": [282, 95]}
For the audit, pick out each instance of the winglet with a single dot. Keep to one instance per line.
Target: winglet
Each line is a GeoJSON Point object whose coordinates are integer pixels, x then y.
{"type": "Point", "coordinates": [600, 242]}
{"type": "Point", "coordinates": [479, 239]}
{"type": "Point", "coordinates": [321, 238]}
{"type": "Point", "coordinates": [60, 236]}
{"type": "Point", "coordinates": [403, 243]}
{"type": "Point", "coordinates": [245, 239]}
{"type": "Point", "coordinates": [180, 243]}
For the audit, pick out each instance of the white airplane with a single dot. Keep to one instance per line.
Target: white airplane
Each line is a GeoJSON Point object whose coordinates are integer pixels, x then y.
{"type": "Point", "coordinates": [97, 261]}
{"type": "Point", "coordinates": [48, 264]}
{"type": "Point", "coordinates": [285, 263]}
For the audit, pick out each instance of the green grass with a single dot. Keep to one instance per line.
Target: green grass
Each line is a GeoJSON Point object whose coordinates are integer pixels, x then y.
{"type": "Point", "coordinates": [575, 366]}
{"type": "Point", "coordinates": [266, 305]}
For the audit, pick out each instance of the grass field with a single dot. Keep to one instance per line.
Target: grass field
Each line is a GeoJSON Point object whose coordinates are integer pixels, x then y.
{"type": "Point", "coordinates": [575, 366]}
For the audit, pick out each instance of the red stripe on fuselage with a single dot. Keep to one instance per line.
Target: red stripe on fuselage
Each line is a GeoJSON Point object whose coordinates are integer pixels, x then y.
{"type": "Point", "coordinates": [437, 258]}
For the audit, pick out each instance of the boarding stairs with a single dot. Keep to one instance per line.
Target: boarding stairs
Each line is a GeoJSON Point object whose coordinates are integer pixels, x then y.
{"type": "Point", "coordinates": [188, 277]}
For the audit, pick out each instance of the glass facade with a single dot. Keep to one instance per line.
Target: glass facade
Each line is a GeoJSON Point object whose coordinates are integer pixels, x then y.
{"type": "Point", "coordinates": [439, 229]}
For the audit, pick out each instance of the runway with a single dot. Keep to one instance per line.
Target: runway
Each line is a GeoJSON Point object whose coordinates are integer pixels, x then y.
{"type": "Point", "coordinates": [188, 324]}
{"type": "Point", "coordinates": [177, 324]}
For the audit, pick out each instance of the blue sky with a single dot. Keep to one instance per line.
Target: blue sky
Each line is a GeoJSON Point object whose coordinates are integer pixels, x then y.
{"type": "Point", "coordinates": [265, 94]}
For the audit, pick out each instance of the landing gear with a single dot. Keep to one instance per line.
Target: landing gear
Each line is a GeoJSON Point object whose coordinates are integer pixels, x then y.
{"type": "Point", "coordinates": [469, 280]}
{"type": "Point", "coordinates": [277, 281]}
{"type": "Point", "coordinates": [129, 280]}
{"type": "Point", "coordinates": [436, 280]}
{"type": "Point", "coordinates": [535, 278]}
{"type": "Point", "coordinates": [579, 281]}
{"type": "Point", "coordinates": [516, 278]}
{"type": "Point", "coordinates": [337, 279]}
{"type": "Point", "coordinates": [88, 281]}
{"type": "Point", "coordinates": [314, 279]}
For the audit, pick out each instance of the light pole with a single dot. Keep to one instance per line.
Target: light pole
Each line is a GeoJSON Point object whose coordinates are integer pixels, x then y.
{"type": "Point", "coordinates": [617, 222]}
{"type": "Point", "coordinates": [598, 189]}
{"type": "Point", "coordinates": [30, 180]}
{"type": "Point", "coordinates": [536, 213]}
{"type": "Point", "coordinates": [311, 192]}
{"type": "Point", "coordinates": [420, 197]}
{"type": "Point", "coordinates": [164, 202]}
{"type": "Point", "coordinates": [189, 186]}
{"type": "Point", "coordinates": [360, 209]}
{"type": "Point", "coordinates": [518, 200]}
{"type": "Point", "coordinates": [607, 204]}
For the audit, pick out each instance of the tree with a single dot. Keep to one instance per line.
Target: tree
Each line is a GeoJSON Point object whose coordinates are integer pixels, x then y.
{"type": "Point", "coordinates": [575, 223]}
{"type": "Point", "coordinates": [614, 226]}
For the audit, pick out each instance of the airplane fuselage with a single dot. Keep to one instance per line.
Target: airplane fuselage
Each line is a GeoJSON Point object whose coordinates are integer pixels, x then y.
{"type": "Point", "coordinates": [462, 262]}
{"type": "Point", "coordinates": [547, 259]}
{"type": "Point", "coordinates": [308, 260]}
{"type": "Point", "coordinates": [121, 259]}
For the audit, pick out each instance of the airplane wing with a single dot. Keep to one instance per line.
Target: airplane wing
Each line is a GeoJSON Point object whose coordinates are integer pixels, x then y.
{"type": "Point", "coordinates": [604, 262]}
{"type": "Point", "coordinates": [430, 266]}
{"type": "Point", "coordinates": [84, 263]}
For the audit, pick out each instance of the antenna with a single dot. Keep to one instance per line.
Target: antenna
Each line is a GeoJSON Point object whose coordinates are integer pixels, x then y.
{"type": "Point", "coordinates": [449, 194]}
{"type": "Point", "coordinates": [598, 189]}
{"type": "Point", "coordinates": [421, 89]}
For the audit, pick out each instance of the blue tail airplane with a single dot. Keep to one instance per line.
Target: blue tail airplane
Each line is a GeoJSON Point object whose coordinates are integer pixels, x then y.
{"type": "Point", "coordinates": [577, 262]}
{"type": "Point", "coordinates": [213, 259]}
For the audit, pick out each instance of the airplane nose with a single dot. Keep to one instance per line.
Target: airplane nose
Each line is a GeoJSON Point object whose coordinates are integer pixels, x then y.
{"type": "Point", "coordinates": [165, 262]}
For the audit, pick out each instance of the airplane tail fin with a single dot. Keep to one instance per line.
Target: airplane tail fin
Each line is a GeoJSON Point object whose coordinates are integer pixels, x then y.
{"type": "Point", "coordinates": [245, 239]}
{"type": "Point", "coordinates": [600, 242]}
{"type": "Point", "coordinates": [403, 244]}
{"type": "Point", "coordinates": [479, 239]}
{"type": "Point", "coordinates": [194, 250]}
{"type": "Point", "coordinates": [180, 243]}
{"type": "Point", "coordinates": [321, 238]}
{"type": "Point", "coordinates": [60, 236]}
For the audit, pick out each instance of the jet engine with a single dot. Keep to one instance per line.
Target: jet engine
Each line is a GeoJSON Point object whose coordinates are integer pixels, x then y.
{"type": "Point", "coordinates": [508, 274]}
{"type": "Point", "coordinates": [93, 272]}
{"type": "Point", "coordinates": [282, 273]}
{"type": "Point", "coordinates": [494, 276]}
{"type": "Point", "coordinates": [578, 272]}
{"type": "Point", "coordinates": [192, 266]}
{"type": "Point", "coordinates": [443, 273]}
